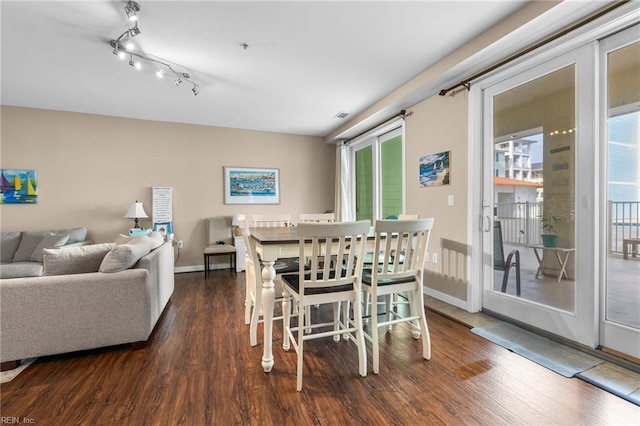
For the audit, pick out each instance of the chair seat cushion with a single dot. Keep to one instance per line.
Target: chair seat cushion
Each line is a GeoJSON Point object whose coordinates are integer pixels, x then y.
{"type": "Point", "coordinates": [367, 278]}
{"type": "Point", "coordinates": [220, 249]}
{"type": "Point", "coordinates": [293, 282]}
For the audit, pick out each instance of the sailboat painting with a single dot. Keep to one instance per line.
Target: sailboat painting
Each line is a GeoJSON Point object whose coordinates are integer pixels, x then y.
{"type": "Point", "coordinates": [18, 186]}
{"type": "Point", "coordinates": [435, 169]}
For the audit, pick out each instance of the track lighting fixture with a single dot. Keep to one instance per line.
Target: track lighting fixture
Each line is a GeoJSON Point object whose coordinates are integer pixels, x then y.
{"type": "Point", "coordinates": [131, 9]}
{"type": "Point", "coordinates": [135, 30]}
{"type": "Point", "coordinates": [137, 65]}
{"type": "Point", "coordinates": [123, 46]}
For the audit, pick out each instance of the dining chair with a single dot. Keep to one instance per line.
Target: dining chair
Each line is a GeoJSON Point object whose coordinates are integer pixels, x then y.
{"type": "Point", "coordinates": [317, 217]}
{"type": "Point", "coordinates": [499, 261]}
{"type": "Point", "coordinates": [323, 285]}
{"type": "Point", "coordinates": [219, 241]}
{"type": "Point", "coordinates": [395, 298]}
{"type": "Point", "coordinates": [405, 216]}
{"type": "Point", "coordinates": [271, 220]}
{"type": "Point", "coordinates": [388, 275]}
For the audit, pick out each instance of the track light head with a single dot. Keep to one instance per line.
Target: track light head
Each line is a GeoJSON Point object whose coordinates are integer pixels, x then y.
{"type": "Point", "coordinates": [137, 65]}
{"type": "Point", "coordinates": [160, 73]}
{"type": "Point", "coordinates": [131, 9]}
{"type": "Point", "coordinates": [135, 30]}
{"type": "Point", "coordinates": [178, 82]}
{"type": "Point", "coordinates": [195, 90]}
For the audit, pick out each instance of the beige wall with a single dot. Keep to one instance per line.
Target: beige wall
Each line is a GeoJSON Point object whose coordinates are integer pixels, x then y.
{"type": "Point", "coordinates": [91, 168]}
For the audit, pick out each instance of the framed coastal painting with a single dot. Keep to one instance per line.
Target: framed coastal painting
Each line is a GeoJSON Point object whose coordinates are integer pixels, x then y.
{"type": "Point", "coordinates": [435, 169]}
{"type": "Point", "coordinates": [18, 186]}
{"type": "Point", "coordinates": [245, 185]}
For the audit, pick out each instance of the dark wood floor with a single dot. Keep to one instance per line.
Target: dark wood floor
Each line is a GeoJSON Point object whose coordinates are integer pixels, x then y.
{"type": "Point", "coordinates": [199, 369]}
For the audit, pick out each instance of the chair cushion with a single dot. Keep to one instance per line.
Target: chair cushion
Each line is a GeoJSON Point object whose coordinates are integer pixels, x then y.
{"type": "Point", "coordinates": [220, 249]}
{"type": "Point", "coordinates": [293, 282]}
{"type": "Point", "coordinates": [367, 279]}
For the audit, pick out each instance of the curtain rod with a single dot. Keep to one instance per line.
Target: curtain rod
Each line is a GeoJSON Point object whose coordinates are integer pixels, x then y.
{"type": "Point", "coordinates": [467, 82]}
{"type": "Point", "coordinates": [402, 114]}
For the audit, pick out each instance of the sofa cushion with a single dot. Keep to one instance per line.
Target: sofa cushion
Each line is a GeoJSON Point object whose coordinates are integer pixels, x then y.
{"type": "Point", "coordinates": [74, 260]}
{"type": "Point", "coordinates": [9, 242]}
{"type": "Point", "coordinates": [48, 242]}
{"type": "Point", "coordinates": [75, 234]}
{"type": "Point", "coordinates": [20, 270]}
{"type": "Point", "coordinates": [28, 243]}
{"type": "Point", "coordinates": [125, 256]}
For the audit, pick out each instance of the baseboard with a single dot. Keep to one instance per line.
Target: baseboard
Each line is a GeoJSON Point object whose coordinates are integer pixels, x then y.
{"type": "Point", "coordinates": [458, 303]}
{"type": "Point", "coordinates": [200, 268]}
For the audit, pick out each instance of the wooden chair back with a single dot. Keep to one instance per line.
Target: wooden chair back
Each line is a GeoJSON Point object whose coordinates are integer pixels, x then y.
{"type": "Point", "coordinates": [402, 248]}
{"type": "Point", "coordinates": [271, 220]}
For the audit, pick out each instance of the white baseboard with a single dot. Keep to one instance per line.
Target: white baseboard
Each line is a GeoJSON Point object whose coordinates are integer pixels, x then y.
{"type": "Point", "coordinates": [196, 268]}
{"type": "Point", "coordinates": [458, 303]}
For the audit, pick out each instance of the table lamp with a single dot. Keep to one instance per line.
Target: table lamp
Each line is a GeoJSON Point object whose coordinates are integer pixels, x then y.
{"type": "Point", "coordinates": [135, 212]}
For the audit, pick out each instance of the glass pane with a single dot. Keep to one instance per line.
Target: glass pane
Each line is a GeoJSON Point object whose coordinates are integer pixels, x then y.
{"type": "Point", "coordinates": [364, 184]}
{"type": "Point", "coordinates": [391, 174]}
{"type": "Point", "coordinates": [623, 186]}
{"type": "Point", "coordinates": [534, 190]}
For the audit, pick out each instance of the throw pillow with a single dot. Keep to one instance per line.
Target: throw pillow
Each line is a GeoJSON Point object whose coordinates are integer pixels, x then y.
{"type": "Point", "coordinates": [28, 244]}
{"type": "Point", "coordinates": [74, 260]}
{"type": "Point", "coordinates": [9, 242]}
{"type": "Point", "coordinates": [154, 239]}
{"type": "Point", "coordinates": [125, 256]}
{"type": "Point", "coordinates": [48, 242]}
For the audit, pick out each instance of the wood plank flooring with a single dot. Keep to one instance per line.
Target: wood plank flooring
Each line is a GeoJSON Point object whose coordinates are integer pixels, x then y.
{"type": "Point", "coordinates": [199, 369]}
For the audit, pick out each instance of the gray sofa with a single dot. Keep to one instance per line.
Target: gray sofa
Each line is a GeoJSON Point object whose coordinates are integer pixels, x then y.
{"type": "Point", "coordinates": [57, 313]}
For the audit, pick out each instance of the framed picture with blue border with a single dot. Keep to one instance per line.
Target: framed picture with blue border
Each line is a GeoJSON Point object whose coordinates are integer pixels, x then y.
{"type": "Point", "coordinates": [247, 185]}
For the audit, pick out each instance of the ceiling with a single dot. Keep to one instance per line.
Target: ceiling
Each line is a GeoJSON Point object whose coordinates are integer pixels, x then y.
{"type": "Point", "coordinates": [305, 61]}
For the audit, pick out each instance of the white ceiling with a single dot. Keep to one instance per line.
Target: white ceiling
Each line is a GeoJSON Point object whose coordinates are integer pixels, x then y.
{"type": "Point", "coordinates": [306, 60]}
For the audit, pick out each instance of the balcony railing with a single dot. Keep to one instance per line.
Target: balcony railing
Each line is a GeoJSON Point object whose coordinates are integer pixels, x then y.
{"type": "Point", "coordinates": [521, 223]}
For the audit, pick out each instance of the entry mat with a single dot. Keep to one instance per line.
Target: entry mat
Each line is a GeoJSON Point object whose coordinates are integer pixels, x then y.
{"type": "Point", "coordinates": [564, 360]}
{"type": "Point", "coordinates": [539, 349]}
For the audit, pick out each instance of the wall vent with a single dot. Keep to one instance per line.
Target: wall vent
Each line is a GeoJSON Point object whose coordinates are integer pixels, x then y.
{"type": "Point", "coordinates": [341, 115]}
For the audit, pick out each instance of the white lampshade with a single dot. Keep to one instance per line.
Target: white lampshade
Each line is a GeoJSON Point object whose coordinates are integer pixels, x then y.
{"type": "Point", "coordinates": [135, 212]}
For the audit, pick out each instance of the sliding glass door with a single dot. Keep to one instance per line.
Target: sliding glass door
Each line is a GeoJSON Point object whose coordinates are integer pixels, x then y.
{"type": "Point", "coordinates": [561, 156]}
{"type": "Point", "coordinates": [379, 175]}
{"type": "Point", "coordinates": [620, 199]}
{"type": "Point", "coordinates": [530, 193]}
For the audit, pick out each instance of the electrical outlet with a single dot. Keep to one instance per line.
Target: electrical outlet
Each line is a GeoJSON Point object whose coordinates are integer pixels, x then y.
{"type": "Point", "coordinates": [435, 257]}
{"type": "Point", "coordinates": [426, 258]}
{"type": "Point", "coordinates": [180, 244]}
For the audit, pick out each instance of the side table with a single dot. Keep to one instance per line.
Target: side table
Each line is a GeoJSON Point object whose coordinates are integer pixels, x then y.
{"type": "Point", "coordinates": [562, 255]}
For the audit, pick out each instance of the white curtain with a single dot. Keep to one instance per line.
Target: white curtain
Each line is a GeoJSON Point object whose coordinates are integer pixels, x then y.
{"type": "Point", "coordinates": [343, 187]}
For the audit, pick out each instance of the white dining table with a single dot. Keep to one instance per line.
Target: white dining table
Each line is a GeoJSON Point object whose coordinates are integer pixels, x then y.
{"type": "Point", "coordinates": [273, 243]}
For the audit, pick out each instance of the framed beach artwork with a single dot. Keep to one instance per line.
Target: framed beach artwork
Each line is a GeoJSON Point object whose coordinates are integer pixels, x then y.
{"type": "Point", "coordinates": [244, 185]}
{"type": "Point", "coordinates": [18, 186]}
{"type": "Point", "coordinates": [435, 169]}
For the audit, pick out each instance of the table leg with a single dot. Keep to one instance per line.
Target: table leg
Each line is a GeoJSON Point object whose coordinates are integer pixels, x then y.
{"type": "Point", "coordinates": [563, 265]}
{"type": "Point", "coordinates": [268, 300]}
{"type": "Point", "coordinates": [539, 271]}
